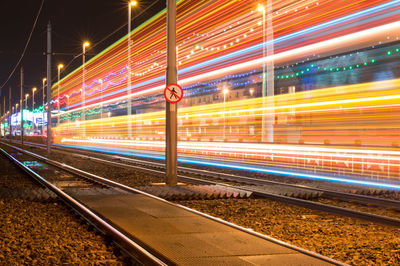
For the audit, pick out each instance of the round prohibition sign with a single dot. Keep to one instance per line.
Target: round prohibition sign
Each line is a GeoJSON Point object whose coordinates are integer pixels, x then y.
{"type": "Point", "coordinates": [173, 93]}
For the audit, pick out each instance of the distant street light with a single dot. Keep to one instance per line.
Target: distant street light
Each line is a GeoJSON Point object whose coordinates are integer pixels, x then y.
{"type": "Point", "coordinates": [43, 88]}
{"type": "Point", "coordinates": [59, 67]}
{"type": "Point", "coordinates": [67, 113]}
{"type": "Point", "coordinates": [85, 44]}
{"type": "Point", "coordinates": [128, 68]}
{"type": "Point", "coordinates": [101, 106]}
{"type": "Point", "coordinates": [26, 98]}
{"type": "Point", "coordinates": [264, 83]}
{"type": "Point", "coordinates": [267, 124]}
{"type": "Point", "coordinates": [251, 91]}
{"type": "Point", "coordinates": [26, 104]}
{"type": "Point", "coordinates": [33, 109]}
{"type": "Point", "coordinates": [16, 116]}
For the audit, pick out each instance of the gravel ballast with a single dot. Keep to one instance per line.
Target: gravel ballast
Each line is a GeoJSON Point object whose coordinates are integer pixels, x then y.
{"type": "Point", "coordinates": [45, 232]}
{"type": "Point", "coordinates": [349, 240]}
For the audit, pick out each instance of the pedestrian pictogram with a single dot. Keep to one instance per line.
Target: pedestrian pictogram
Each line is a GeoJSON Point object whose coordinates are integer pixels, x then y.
{"type": "Point", "coordinates": [173, 93]}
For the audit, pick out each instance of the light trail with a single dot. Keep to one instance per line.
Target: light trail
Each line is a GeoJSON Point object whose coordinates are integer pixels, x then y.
{"type": "Point", "coordinates": [334, 76]}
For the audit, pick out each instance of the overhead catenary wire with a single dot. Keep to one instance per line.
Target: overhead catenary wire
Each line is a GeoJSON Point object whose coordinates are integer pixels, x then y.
{"type": "Point", "coordinates": [26, 46]}
{"type": "Point", "coordinates": [111, 34]}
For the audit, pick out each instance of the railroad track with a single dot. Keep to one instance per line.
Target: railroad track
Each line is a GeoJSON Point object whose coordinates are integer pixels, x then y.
{"type": "Point", "coordinates": [67, 182]}
{"type": "Point", "coordinates": [260, 187]}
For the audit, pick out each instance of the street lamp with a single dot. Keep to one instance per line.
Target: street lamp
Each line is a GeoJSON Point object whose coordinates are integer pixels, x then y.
{"type": "Point", "coordinates": [67, 113]}
{"type": "Point", "coordinates": [85, 44]}
{"type": "Point", "coordinates": [128, 68]}
{"type": "Point", "coordinates": [16, 111]}
{"type": "Point", "coordinates": [59, 67]}
{"type": "Point", "coordinates": [267, 127]}
{"type": "Point", "coordinates": [33, 109]}
{"type": "Point", "coordinates": [26, 103]}
{"type": "Point", "coordinates": [11, 114]}
{"type": "Point", "coordinates": [225, 91]}
{"type": "Point", "coordinates": [264, 84]}
{"type": "Point", "coordinates": [251, 91]}
{"type": "Point", "coordinates": [26, 98]}
{"type": "Point", "coordinates": [101, 106]}
{"type": "Point", "coordinates": [43, 84]}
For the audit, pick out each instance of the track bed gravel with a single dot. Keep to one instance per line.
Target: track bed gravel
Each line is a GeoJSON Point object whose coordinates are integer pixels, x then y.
{"type": "Point", "coordinates": [45, 232]}
{"type": "Point", "coordinates": [349, 240]}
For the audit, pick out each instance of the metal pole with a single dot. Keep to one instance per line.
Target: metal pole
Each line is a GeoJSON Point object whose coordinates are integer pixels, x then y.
{"type": "Point", "coordinates": [101, 106]}
{"type": "Point", "coordinates": [48, 86]}
{"type": "Point", "coordinates": [264, 85]}
{"type": "Point", "coordinates": [67, 108]}
{"type": "Point", "coordinates": [9, 107]}
{"type": "Point", "coordinates": [83, 90]}
{"type": "Point", "coordinates": [171, 108]}
{"type": "Point", "coordinates": [21, 103]}
{"type": "Point", "coordinates": [1, 118]}
{"type": "Point", "coordinates": [129, 111]}
{"type": "Point", "coordinates": [270, 74]}
{"type": "Point", "coordinates": [43, 95]}
{"type": "Point", "coordinates": [33, 108]}
{"type": "Point", "coordinates": [58, 95]}
{"type": "Point", "coordinates": [5, 115]}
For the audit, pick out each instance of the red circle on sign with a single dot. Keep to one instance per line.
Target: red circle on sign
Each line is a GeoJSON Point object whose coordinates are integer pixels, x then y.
{"type": "Point", "coordinates": [171, 95]}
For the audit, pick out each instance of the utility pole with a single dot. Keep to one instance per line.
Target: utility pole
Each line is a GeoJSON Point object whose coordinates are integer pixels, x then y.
{"type": "Point", "coordinates": [129, 70]}
{"type": "Point", "coordinates": [270, 75]}
{"type": "Point", "coordinates": [48, 86]}
{"type": "Point", "coordinates": [21, 106]}
{"type": "Point", "coordinates": [9, 107]}
{"type": "Point", "coordinates": [4, 114]}
{"type": "Point", "coordinates": [1, 120]}
{"type": "Point", "coordinates": [171, 136]}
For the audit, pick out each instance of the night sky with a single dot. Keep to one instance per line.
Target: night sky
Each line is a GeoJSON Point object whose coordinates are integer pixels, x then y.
{"type": "Point", "coordinates": [73, 21]}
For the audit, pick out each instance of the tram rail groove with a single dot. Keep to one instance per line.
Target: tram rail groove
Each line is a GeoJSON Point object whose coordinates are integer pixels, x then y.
{"type": "Point", "coordinates": [385, 220]}
{"type": "Point", "coordinates": [126, 244]}
{"type": "Point", "coordinates": [343, 196]}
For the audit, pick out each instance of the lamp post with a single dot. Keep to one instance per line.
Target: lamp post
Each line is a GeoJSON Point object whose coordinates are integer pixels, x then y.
{"type": "Point", "coordinates": [9, 109]}
{"type": "Point", "coordinates": [67, 113]}
{"type": "Point", "coordinates": [101, 106]}
{"type": "Point", "coordinates": [225, 91]}
{"type": "Point", "coordinates": [4, 115]}
{"type": "Point", "coordinates": [268, 90]}
{"type": "Point", "coordinates": [26, 98]}
{"type": "Point", "coordinates": [85, 44]}
{"type": "Point", "coordinates": [59, 67]}
{"type": "Point", "coordinates": [264, 84]}
{"type": "Point", "coordinates": [16, 117]}
{"type": "Point", "coordinates": [271, 73]}
{"type": "Point", "coordinates": [128, 68]}
{"type": "Point", "coordinates": [9, 125]}
{"type": "Point", "coordinates": [43, 88]}
{"type": "Point", "coordinates": [26, 102]}
{"type": "Point", "coordinates": [12, 112]}
{"type": "Point", "coordinates": [33, 109]}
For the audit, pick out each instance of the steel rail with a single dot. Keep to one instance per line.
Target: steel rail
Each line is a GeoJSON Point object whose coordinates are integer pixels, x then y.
{"type": "Point", "coordinates": [284, 199]}
{"type": "Point", "coordinates": [84, 174]}
{"type": "Point", "coordinates": [133, 249]}
{"type": "Point", "coordinates": [344, 196]}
